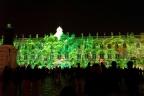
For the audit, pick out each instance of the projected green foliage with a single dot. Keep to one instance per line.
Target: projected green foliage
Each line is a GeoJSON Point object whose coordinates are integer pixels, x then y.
{"type": "Point", "coordinates": [50, 51]}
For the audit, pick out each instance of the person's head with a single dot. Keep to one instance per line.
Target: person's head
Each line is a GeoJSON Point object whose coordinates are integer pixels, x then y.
{"type": "Point", "coordinates": [114, 64]}
{"type": "Point", "coordinates": [89, 63]}
{"type": "Point", "coordinates": [96, 68]}
{"type": "Point", "coordinates": [36, 67]}
{"type": "Point", "coordinates": [18, 68]}
{"type": "Point", "coordinates": [28, 67]}
{"type": "Point", "coordinates": [68, 91]}
{"type": "Point", "coordinates": [78, 65]}
{"type": "Point", "coordinates": [6, 67]}
{"type": "Point", "coordinates": [129, 64]}
{"type": "Point", "coordinates": [102, 64]}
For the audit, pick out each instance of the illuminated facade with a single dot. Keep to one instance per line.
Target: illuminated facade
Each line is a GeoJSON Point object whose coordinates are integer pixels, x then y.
{"type": "Point", "coordinates": [67, 50]}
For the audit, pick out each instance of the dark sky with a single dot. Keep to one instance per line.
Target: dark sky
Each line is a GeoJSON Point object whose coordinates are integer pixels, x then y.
{"type": "Point", "coordinates": [77, 16]}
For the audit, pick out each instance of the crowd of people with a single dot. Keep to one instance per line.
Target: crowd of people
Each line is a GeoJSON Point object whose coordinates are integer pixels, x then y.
{"type": "Point", "coordinates": [95, 80]}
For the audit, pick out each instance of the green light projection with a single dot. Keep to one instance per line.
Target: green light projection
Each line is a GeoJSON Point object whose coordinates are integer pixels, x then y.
{"type": "Point", "coordinates": [68, 50]}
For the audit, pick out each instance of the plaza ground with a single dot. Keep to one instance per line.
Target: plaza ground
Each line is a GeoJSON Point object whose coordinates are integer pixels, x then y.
{"type": "Point", "coordinates": [48, 88]}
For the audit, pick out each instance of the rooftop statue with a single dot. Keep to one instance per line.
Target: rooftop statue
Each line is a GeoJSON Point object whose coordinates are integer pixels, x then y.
{"type": "Point", "coordinates": [59, 32]}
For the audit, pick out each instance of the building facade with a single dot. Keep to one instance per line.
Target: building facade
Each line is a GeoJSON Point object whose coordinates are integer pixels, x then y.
{"type": "Point", "coordinates": [68, 50]}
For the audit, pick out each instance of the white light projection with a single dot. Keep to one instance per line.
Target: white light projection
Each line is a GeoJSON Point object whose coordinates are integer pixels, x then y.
{"type": "Point", "coordinates": [59, 32]}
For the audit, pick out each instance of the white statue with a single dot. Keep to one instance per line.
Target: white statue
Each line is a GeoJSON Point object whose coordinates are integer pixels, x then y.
{"type": "Point", "coordinates": [59, 32]}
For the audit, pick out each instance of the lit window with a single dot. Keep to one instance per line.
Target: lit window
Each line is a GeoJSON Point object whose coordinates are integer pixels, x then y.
{"type": "Point", "coordinates": [109, 56]}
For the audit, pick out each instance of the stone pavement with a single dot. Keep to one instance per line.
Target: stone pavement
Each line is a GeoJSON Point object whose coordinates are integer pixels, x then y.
{"type": "Point", "coordinates": [48, 88]}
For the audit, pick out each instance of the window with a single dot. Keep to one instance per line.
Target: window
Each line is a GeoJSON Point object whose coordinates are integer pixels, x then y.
{"type": "Point", "coordinates": [117, 56]}
{"type": "Point", "coordinates": [85, 45]}
{"type": "Point", "coordinates": [86, 56]}
{"type": "Point", "coordinates": [93, 46]}
{"type": "Point", "coordinates": [32, 46]}
{"type": "Point", "coordinates": [78, 56]}
{"type": "Point", "coordinates": [102, 56]}
{"type": "Point", "coordinates": [93, 56]}
{"type": "Point", "coordinates": [25, 46]}
{"type": "Point", "coordinates": [19, 57]}
{"type": "Point", "coordinates": [138, 45]}
{"type": "Point", "coordinates": [101, 46]}
{"type": "Point", "coordinates": [66, 47]}
{"type": "Point", "coordinates": [125, 55]}
{"type": "Point", "coordinates": [79, 47]}
{"type": "Point", "coordinates": [109, 56]}
{"type": "Point", "coordinates": [66, 55]}
{"type": "Point", "coordinates": [109, 46]}
{"type": "Point", "coordinates": [51, 56]}
{"type": "Point", "coordinates": [25, 57]}
{"type": "Point", "coordinates": [124, 45]}
{"type": "Point", "coordinates": [59, 56]}
{"type": "Point", "coordinates": [39, 55]}
{"type": "Point", "coordinates": [51, 47]}
{"type": "Point", "coordinates": [32, 56]}
{"type": "Point", "coordinates": [45, 59]}
{"type": "Point", "coordinates": [116, 45]}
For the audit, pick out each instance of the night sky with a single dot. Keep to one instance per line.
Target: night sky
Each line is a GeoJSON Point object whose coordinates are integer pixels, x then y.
{"type": "Point", "coordinates": [77, 16]}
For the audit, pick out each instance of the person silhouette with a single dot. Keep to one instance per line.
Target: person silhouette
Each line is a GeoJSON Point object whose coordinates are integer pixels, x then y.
{"type": "Point", "coordinates": [132, 79]}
